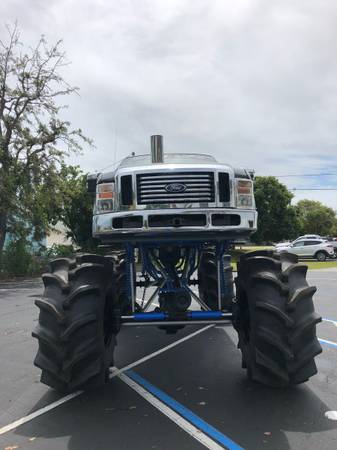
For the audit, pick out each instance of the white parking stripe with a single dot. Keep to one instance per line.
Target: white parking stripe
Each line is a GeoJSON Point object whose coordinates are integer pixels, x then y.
{"type": "Point", "coordinates": [231, 333]}
{"type": "Point", "coordinates": [158, 352]}
{"type": "Point", "coordinates": [168, 412]}
{"type": "Point", "coordinates": [322, 279]}
{"type": "Point", "coordinates": [153, 303]}
{"type": "Point", "coordinates": [65, 399]}
{"type": "Point", "coordinates": [39, 412]}
{"type": "Point", "coordinates": [331, 321]}
{"type": "Point", "coordinates": [17, 291]}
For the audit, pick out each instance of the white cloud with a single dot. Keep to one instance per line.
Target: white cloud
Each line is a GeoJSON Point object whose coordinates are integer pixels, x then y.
{"type": "Point", "coordinates": [251, 82]}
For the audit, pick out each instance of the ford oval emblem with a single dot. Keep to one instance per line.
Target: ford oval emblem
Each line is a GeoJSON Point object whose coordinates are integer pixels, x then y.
{"type": "Point", "coordinates": [175, 187]}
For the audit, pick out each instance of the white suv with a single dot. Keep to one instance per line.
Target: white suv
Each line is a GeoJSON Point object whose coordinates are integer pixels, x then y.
{"type": "Point", "coordinates": [309, 248]}
{"type": "Point", "coordinates": [306, 236]}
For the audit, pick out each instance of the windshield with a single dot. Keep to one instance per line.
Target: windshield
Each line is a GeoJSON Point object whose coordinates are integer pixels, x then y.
{"type": "Point", "coordinates": [169, 158]}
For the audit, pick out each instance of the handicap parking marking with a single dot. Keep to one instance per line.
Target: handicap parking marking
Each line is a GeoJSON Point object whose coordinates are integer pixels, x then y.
{"type": "Point", "coordinates": [206, 434]}
{"type": "Point", "coordinates": [233, 335]}
{"type": "Point", "coordinates": [327, 342]}
{"type": "Point", "coordinates": [115, 373]}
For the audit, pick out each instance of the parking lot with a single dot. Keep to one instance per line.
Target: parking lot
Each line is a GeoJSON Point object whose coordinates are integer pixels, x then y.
{"type": "Point", "coordinates": [183, 391]}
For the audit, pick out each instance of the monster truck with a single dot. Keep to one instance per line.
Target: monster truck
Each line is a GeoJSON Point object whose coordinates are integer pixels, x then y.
{"type": "Point", "coordinates": [179, 214]}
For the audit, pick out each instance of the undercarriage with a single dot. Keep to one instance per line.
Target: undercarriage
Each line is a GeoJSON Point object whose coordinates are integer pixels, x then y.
{"type": "Point", "coordinates": [171, 273]}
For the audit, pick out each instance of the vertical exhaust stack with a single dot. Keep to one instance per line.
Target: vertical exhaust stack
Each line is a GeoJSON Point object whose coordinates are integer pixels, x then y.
{"type": "Point", "coordinates": [157, 151]}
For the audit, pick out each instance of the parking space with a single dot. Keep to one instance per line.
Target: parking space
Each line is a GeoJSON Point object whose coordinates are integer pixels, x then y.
{"type": "Point", "coordinates": [183, 391]}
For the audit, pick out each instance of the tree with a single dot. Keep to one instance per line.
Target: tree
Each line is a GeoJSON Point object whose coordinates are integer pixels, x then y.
{"type": "Point", "coordinates": [77, 206]}
{"type": "Point", "coordinates": [316, 218]}
{"type": "Point", "coordinates": [333, 231]}
{"type": "Point", "coordinates": [34, 140]}
{"type": "Point", "coordinates": [277, 218]}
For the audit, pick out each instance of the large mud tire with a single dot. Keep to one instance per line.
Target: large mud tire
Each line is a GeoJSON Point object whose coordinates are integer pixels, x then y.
{"type": "Point", "coordinates": [275, 319]}
{"type": "Point", "coordinates": [208, 281]}
{"type": "Point", "coordinates": [78, 322]}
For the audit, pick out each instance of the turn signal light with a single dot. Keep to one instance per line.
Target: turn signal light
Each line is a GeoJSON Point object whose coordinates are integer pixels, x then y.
{"type": "Point", "coordinates": [105, 190]}
{"type": "Point", "coordinates": [244, 187]}
{"type": "Point", "coordinates": [104, 197]}
{"type": "Point", "coordinates": [244, 194]}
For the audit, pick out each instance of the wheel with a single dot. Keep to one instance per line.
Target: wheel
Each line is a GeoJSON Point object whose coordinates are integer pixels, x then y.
{"type": "Point", "coordinates": [121, 277]}
{"type": "Point", "coordinates": [275, 319]}
{"type": "Point", "coordinates": [320, 256]}
{"type": "Point", "coordinates": [77, 324]}
{"type": "Point", "coordinates": [208, 281]}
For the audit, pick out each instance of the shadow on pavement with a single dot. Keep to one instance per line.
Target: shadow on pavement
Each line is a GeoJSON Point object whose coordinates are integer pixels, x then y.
{"type": "Point", "coordinates": [113, 418]}
{"type": "Point", "coordinates": [117, 418]}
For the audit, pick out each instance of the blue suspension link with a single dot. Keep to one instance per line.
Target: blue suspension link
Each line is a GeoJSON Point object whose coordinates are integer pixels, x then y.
{"type": "Point", "coordinates": [190, 315]}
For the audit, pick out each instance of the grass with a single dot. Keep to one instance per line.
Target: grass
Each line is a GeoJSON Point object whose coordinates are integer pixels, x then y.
{"type": "Point", "coordinates": [320, 265]}
{"type": "Point", "coordinates": [311, 264]}
{"type": "Point", "coordinates": [253, 248]}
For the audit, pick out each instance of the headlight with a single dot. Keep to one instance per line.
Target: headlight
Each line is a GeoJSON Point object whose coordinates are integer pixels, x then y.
{"type": "Point", "coordinates": [104, 205]}
{"type": "Point", "coordinates": [244, 194]}
{"type": "Point", "coordinates": [104, 197]}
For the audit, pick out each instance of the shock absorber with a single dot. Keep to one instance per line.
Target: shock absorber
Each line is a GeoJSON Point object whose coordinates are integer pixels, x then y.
{"type": "Point", "coordinates": [224, 276]}
{"type": "Point", "coordinates": [130, 275]}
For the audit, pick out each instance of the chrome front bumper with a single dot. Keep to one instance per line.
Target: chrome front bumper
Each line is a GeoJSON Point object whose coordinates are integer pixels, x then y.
{"type": "Point", "coordinates": [104, 225]}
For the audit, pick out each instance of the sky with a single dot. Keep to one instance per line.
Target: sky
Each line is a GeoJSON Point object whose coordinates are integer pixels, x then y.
{"type": "Point", "coordinates": [251, 82]}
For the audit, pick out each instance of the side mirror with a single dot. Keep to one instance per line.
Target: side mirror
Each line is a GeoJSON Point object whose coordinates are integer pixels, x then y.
{"type": "Point", "coordinates": [92, 183]}
{"type": "Point", "coordinates": [252, 174]}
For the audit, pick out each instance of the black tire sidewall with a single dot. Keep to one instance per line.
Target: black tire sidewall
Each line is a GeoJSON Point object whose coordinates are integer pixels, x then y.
{"type": "Point", "coordinates": [321, 259]}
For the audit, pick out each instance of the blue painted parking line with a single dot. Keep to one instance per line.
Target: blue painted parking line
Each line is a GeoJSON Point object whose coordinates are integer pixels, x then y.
{"type": "Point", "coordinates": [185, 412]}
{"type": "Point", "coordinates": [326, 342]}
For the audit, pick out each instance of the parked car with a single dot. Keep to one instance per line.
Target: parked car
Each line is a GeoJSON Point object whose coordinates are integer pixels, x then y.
{"type": "Point", "coordinates": [306, 236]}
{"type": "Point", "coordinates": [332, 241]}
{"type": "Point", "coordinates": [309, 248]}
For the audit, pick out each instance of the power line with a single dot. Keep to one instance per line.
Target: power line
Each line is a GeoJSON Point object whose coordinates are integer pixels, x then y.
{"type": "Point", "coordinates": [312, 189]}
{"type": "Point", "coordinates": [306, 175]}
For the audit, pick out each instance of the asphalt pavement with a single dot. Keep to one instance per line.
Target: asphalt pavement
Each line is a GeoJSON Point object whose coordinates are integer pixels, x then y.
{"type": "Point", "coordinates": [183, 391]}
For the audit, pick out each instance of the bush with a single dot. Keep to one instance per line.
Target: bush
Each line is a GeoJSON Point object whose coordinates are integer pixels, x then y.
{"type": "Point", "coordinates": [17, 259]}
{"type": "Point", "coordinates": [60, 251]}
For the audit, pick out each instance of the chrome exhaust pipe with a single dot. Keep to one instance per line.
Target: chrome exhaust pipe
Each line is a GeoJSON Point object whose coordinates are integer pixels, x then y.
{"type": "Point", "coordinates": [157, 151]}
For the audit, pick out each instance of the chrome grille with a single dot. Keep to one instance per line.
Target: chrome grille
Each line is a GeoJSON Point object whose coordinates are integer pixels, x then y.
{"type": "Point", "coordinates": [152, 188]}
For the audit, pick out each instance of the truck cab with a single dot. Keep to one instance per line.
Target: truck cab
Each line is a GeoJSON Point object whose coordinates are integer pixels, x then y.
{"type": "Point", "coordinates": [173, 196]}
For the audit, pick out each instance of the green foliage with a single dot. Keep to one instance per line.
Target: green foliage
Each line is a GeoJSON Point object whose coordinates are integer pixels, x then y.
{"type": "Point", "coordinates": [277, 218]}
{"type": "Point", "coordinates": [18, 259]}
{"type": "Point", "coordinates": [34, 140]}
{"type": "Point", "coordinates": [334, 229]}
{"type": "Point", "coordinates": [77, 207]}
{"type": "Point", "coordinates": [59, 251]}
{"type": "Point", "coordinates": [316, 218]}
